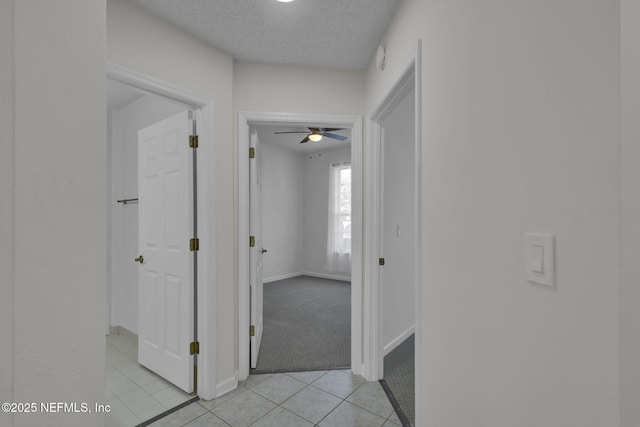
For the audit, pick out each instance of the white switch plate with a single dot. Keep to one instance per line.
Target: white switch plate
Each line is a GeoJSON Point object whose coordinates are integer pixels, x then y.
{"type": "Point", "coordinates": [540, 259]}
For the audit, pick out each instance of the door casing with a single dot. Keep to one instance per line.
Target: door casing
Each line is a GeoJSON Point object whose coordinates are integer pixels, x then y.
{"type": "Point", "coordinates": [206, 288]}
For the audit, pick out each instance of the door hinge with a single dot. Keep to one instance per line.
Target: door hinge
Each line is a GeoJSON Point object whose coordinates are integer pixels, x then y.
{"type": "Point", "coordinates": [194, 348]}
{"type": "Point", "coordinates": [195, 379]}
{"type": "Point", "coordinates": [252, 331]}
{"type": "Point", "coordinates": [252, 152]}
{"type": "Point", "coordinates": [193, 141]}
{"type": "Point", "coordinates": [194, 244]}
{"type": "Point", "coordinates": [252, 241]}
{"type": "Point", "coordinates": [380, 261]}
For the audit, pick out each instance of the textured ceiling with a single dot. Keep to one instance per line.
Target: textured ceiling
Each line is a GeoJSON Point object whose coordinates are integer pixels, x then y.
{"type": "Point", "coordinates": [329, 33]}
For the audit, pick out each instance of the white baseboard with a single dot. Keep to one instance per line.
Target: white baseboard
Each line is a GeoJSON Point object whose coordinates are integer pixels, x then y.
{"type": "Point", "coordinates": [306, 273]}
{"type": "Point", "coordinates": [281, 277]}
{"type": "Point", "coordinates": [398, 340]}
{"type": "Point", "coordinates": [227, 385]}
{"type": "Point", "coordinates": [327, 276]}
{"type": "Point", "coordinates": [125, 333]}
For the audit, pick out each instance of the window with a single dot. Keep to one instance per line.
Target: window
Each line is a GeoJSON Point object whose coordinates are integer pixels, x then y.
{"type": "Point", "coordinates": [339, 226]}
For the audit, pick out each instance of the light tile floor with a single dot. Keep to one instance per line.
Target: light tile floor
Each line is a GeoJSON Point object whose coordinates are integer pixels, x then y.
{"type": "Point", "coordinates": [134, 393]}
{"type": "Point", "coordinates": [296, 399]}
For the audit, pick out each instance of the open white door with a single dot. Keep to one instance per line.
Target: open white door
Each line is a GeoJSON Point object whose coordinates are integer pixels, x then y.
{"type": "Point", "coordinates": [398, 229]}
{"type": "Point", "coordinates": [255, 250]}
{"type": "Point", "coordinates": [166, 225]}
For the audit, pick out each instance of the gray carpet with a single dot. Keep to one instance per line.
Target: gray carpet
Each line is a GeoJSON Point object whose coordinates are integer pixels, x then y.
{"type": "Point", "coordinates": [307, 325]}
{"type": "Point", "coordinates": [399, 374]}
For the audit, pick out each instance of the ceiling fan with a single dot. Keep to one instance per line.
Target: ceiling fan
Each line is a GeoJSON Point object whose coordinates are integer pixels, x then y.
{"type": "Point", "coordinates": [316, 134]}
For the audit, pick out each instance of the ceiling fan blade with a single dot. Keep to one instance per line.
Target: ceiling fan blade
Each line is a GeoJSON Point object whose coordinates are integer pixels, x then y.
{"type": "Point", "coordinates": [306, 139]}
{"type": "Point", "coordinates": [275, 133]}
{"type": "Point", "coordinates": [334, 136]}
{"type": "Point", "coordinates": [331, 129]}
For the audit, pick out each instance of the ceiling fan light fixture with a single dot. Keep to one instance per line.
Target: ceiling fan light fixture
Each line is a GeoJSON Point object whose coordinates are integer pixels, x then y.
{"type": "Point", "coordinates": [315, 137]}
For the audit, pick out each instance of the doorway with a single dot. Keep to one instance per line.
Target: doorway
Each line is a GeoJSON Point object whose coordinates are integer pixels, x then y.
{"type": "Point", "coordinates": [136, 101]}
{"type": "Point", "coordinates": [300, 219]}
{"type": "Point", "coordinates": [395, 172]}
{"type": "Point", "coordinates": [138, 392]}
{"type": "Point", "coordinates": [397, 246]}
{"type": "Point", "coordinates": [248, 123]}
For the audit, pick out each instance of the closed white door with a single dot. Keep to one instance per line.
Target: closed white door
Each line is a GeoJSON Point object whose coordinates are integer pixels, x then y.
{"type": "Point", "coordinates": [255, 250]}
{"type": "Point", "coordinates": [166, 276]}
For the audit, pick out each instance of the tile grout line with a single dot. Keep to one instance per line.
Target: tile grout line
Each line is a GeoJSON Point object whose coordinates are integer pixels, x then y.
{"type": "Point", "coordinates": [121, 364]}
{"type": "Point", "coordinates": [168, 412]}
{"type": "Point", "coordinates": [340, 401]}
{"type": "Point", "coordinates": [279, 405]}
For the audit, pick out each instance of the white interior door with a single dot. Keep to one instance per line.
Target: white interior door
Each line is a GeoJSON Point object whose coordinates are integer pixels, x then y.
{"type": "Point", "coordinates": [166, 217]}
{"type": "Point", "coordinates": [255, 250]}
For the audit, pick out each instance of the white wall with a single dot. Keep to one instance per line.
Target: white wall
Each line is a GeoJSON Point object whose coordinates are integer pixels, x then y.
{"type": "Point", "coordinates": [630, 227]}
{"type": "Point", "coordinates": [58, 152]}
{"type": "Point", "coordinates": [6, 207]}
{"type": "Point", "coordinates": [520, 128]}
{"type": "Point", "coordinates": [316, 208]}
{"type": "Point", "coordinates": [144, 43]}
{"type": "Point", "coordinates": [282, 212]}
{"type": "Point", "coordinates": [295, 200]}
{"type": "Point", "coordinates": [291, 89]}
{"type": "Point", "coordinates": [123, 152]}
{"type": "Point", "coordinates": [398, 227]}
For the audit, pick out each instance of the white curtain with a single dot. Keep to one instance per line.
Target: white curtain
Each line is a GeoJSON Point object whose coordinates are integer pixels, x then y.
{"type": "Point", "coordinates": [339, 229]}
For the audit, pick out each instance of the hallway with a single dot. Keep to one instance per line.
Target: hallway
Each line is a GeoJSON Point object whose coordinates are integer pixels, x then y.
{"type": "Point", "coordinates": [316, 398]}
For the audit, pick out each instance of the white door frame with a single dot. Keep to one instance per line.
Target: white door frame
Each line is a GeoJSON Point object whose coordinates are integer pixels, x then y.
{"type": "Point", "coordinates": [206, 288]}
{"type": "Point", "coordinates": [409, 80]}
{"type": "Point", "coordinates": [245, 120]}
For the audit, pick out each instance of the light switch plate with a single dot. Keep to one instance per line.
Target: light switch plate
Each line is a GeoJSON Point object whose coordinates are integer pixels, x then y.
{"type": "Point", "coordinates": [540, 259]}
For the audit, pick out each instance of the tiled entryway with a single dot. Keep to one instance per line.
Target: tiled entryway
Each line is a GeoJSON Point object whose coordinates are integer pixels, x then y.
{"type": "Point", "coordinates": [296, 399]}
{"type": "Point", "coordinates": [134, 393]}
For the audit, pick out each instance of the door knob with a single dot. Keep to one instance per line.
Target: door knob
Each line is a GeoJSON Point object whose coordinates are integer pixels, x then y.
{"type": "Point", "coordinates": [263, 250]}
{"type": "Point", "coordinates": [140, 259]}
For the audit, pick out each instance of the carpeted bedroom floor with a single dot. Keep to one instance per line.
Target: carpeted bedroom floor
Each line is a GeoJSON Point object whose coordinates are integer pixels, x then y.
{"type": "Point", "coordinates": [307, 325]}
